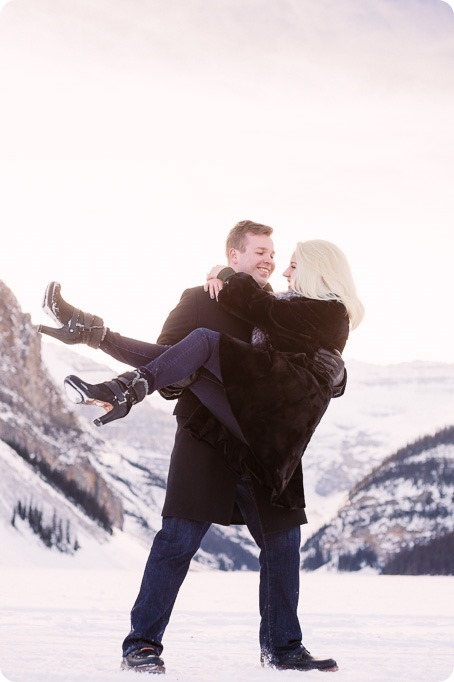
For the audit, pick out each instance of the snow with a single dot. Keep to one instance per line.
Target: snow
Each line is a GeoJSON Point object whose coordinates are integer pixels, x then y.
{"type": "Point", "coordinates": [63, 620]}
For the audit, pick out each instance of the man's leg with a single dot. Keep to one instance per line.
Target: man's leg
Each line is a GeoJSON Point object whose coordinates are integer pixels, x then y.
{"type": "Point", "coordinates": [280, 633]}
{"type": "Point", "coordinates": [168, 563]}
{"type": "Point", "coordinates": [280, 630]}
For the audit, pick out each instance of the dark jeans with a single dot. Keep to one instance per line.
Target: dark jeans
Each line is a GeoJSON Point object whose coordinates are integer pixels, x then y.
{"type": "Point", "coordinates": [167, 365]}
{"type": "Point", "coordinates": [179, 539]}
{"type": "Point", "coordinates": [168, 563]}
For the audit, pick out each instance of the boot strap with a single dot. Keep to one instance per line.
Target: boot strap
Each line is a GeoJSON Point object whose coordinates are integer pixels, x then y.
{"type": "Point", "coordinates": [118, 393]}
{"type": "Point", "coordinates": [87, 322]}
{"type": "Point", "coordinates": [73, 321]}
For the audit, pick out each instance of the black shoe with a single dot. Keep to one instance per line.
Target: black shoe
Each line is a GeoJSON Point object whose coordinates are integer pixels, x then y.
{"type": "Point", "coordinates": [116, 396]}
{"type": "Point", "coordinates": [75, 325]}
{"type": "Point", "coordinates": [299, 659]}
{"type": "Point", "coordinates": [144, 660]}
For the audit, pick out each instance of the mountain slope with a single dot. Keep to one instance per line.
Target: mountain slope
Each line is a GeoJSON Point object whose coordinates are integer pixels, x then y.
{"type": "Point", "coordinates": [36, 423]}
{"type": "Point", "coordinates": [399, 518]}
{"type": "Point", "coordinates": [384, 408]}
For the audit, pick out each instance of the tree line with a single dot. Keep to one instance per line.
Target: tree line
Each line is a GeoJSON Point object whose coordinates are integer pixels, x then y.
{"type": "Point", "coordinates": [55, 533]}
{"type": "Point", "coordinates": [69, 488]}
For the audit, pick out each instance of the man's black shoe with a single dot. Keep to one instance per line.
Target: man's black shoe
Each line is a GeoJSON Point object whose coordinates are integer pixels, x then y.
{"type": "Point", "coordinates": [299, 659]}
{"type": "Point", "coordinates": [144, 660]}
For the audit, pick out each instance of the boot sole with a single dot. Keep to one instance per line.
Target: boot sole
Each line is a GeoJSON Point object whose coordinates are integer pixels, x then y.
{"type": "Point", "coordinates": [49, 297]}
{"type": "Point", "coordinates": [147, 668]}
{"type": "Point", "coordinates": [332, 669]}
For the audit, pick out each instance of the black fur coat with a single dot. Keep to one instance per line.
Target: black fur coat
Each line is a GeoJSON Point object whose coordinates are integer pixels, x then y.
{"type": "Point", "coordinates": [277, 389]}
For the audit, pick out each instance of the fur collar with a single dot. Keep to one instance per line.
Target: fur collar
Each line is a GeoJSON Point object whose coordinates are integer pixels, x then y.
{"type": "Point", "coordinates": [260, 338]}
{"type": "Point", "coordinates": [287, 294]}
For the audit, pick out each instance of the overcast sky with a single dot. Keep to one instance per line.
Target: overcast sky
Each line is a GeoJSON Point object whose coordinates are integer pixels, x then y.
{"type": "Point", "coordinates": [134, 135]}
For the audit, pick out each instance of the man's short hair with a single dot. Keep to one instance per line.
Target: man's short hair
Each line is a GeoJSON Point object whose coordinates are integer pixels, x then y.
{"type": "Point", "coordinates": [236, 238]}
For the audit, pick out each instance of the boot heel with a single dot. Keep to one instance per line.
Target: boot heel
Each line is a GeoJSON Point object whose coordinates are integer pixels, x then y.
{"type": "Point", "coordinates": [117, 412]}
{"type": "Point", "coordinates": [60, 334]}
{"type": "Point", "coordinates": [119, 402]}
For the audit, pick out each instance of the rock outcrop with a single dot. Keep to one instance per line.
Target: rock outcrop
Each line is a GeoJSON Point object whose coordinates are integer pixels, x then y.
{"type": "Point", "coordinates": [36, 423]}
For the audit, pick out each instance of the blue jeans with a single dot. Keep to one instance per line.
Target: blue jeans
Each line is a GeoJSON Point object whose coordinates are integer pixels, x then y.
{"type": "Point", "coordinates": [167, 365]}
{"type": "Point", "coordinates": [168, 563]}
{"type": "Point", "coordinates": [199, 351]}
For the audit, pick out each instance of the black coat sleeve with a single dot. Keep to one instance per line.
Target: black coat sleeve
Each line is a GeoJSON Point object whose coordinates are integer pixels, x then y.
{"type": "Point", "coordinates": [243, 297]}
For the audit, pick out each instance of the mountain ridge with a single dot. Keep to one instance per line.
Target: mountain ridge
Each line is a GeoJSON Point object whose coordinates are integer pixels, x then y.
{"type": "Point", "coordinates": [402, 509]}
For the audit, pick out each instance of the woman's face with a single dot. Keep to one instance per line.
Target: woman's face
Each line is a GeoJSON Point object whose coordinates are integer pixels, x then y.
{"type": "Point", "coordinates": [290, 272]}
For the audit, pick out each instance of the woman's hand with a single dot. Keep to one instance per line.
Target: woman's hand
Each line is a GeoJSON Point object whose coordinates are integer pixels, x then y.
{"type": "Point", "coordinates": [213, 284]}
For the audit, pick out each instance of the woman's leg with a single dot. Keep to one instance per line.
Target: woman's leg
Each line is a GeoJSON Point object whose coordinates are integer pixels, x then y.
{"type": "Point", "coordinates": [171, 364]}
{"type": "Point", "coordinates": [130, 351]}
{"type": "Point", "coordinates": [198, 350]}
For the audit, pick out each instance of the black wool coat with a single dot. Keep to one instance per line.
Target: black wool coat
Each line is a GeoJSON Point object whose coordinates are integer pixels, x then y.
{"type": "Point", "coordinates": [202, 482]}
{"type": "Point", "coordinates": [277, 389]}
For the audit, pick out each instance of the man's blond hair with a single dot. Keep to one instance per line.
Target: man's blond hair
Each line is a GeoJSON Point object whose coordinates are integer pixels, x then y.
{"type": "Point", "coordinates": [236, 238]}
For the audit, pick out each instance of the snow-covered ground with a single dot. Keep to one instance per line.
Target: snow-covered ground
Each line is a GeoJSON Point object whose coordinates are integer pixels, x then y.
{"type": "Point", "coordinates": [63, 620]}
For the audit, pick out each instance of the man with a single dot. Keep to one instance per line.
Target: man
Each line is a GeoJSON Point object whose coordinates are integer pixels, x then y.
{"type": "Point", "coordinates": [203, 488]}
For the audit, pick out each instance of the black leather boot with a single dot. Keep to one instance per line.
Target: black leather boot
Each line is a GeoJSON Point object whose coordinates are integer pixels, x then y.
{"type": "Point", "coordinates": [116, 396]}
{"type": "Point", "coordinates": [145, 660]}
{"type": "Point", "coordinates": [298, 659]}
{"type": "Point", "coordinates": [76, 326]}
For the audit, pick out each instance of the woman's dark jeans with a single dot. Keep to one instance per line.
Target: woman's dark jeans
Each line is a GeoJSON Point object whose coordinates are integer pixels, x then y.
{"type": "Point", "coordinates": [168, 365]}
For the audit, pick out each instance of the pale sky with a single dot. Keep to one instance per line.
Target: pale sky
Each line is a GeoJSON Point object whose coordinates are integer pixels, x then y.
{"type": "Point", "coordinates": [134, 135]}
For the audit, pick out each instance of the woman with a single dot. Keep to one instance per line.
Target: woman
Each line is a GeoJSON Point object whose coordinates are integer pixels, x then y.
{"type": "Point", "coordinates": [276, 389]}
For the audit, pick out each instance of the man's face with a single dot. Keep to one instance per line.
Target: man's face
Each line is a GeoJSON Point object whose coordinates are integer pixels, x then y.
{"type": "Point", "coordinates": [257, 259]}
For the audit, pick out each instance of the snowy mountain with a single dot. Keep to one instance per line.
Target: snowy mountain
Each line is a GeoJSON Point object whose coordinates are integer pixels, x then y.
{"type": "Point", "coordinates": [399, 518]}
{"type": "Point", "coordinates": [68, 484]}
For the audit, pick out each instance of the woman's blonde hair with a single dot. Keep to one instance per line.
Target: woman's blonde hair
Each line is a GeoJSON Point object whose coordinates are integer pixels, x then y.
{"type": "Point", "coordinates": [322, 272]}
